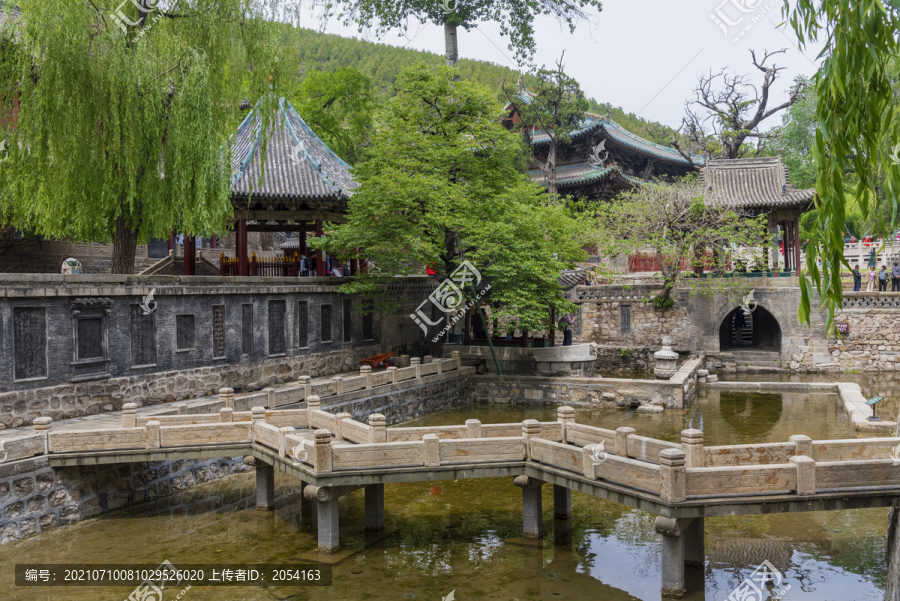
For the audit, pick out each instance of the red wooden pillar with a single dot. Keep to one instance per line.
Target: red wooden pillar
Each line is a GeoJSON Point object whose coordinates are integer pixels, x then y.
{"type": "Point", "coordinates": [321, 265]}
{"type": "Point", "coordinates": [354, 264]}
{"type": "Point", "coordinates": [190, 255]}
{"type": "Point", "coordinates": [213, 242]}
{"type": "Point", "coordinates": [523, 341]}
{"type": "Point", "coordinates": [796, 228]}
{"type": "Point", "coordinates": [304, 249]}
{"type": "Point", "coordinates": [240, 243]}
{"type": "Point", "coordinates": [773, 232]}
{"type": "Point", "coordinates": [170, 243]}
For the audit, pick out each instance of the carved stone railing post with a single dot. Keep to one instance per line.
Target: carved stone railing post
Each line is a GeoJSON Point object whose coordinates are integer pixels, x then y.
{"type": "Point", "coordinates": [284, 448]}
{"type": "Point", "coordinates": [473, 428]}
{"type": "Point", "coordinates": [339, 425]}
{"type": "Point", "coordinates": [338, 384]}
{"type": "Point", "coordinates": [673, 477]}
{"type": "Point", "coordinates": [378, 433]}
{"type": "Point", "coordinates": [440, 365]}
{"type": "Point", "coordinates": [417, 363]}
{"type": "Point", "coordinates": [258, 414]}
{"type": "Point", "coordinates": [531, 428]}
{"type": "Point", "coordinates": [313, 403]}
{"type": "Point", "coordinates": [458, 358]}
{"type": "Point", "coordinates": [622, 435]}
{"type": "Point", "coordinates": [180, 408]}
{"type": "Point", "coordinates": [806, 474]}
{"type": "Point", "coordinates": [226, 415]}
{"type": "Point", "coordinates": [323, 452]}
{"type": "Point", "coordinates": [151, 434]}
{"type": "Point", "coordinates": [226, 397]}
{"type": "Point", "coordinates": [587, 461]}
{"type": "Point", "coordinates": [305, 387]}
{"type": "Point", "coordinates": [432, 450]}
{"type": "Point", "coordinates": [42, 427]}
{"type": "Point", "coordinates": [270, 397]}
{"type": "Point", "coordinates": [393, 371]}
{"type": "Point", "coordinates": [427, 359]}
{"type": "Point", "coordinates": [129, 417]}
{"type": "Point", "coordinates": [803, 444]}
{"type": "Point", "coordinates": [565, 415]}
{"type": "Point", "coordinates": [366, 372]}
{"type": "Point", "coordinates": [692, 445]}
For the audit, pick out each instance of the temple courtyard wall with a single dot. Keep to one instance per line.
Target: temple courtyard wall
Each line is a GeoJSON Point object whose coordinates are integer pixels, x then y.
{"type": "Point", "coordinates": [81, 345]}
{"type": "Point", "coordinates": [627, 329]}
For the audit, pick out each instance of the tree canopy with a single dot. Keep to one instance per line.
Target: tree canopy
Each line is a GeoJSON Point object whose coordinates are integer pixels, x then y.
{"type": "Point", "coordinates": [515, 17]}
{"type": "Point", "coordinates": [124, 115]}
{"type": "Point", "coordinates": [443, 185]}
{"type": "Point", "coordinates": [857, 125]}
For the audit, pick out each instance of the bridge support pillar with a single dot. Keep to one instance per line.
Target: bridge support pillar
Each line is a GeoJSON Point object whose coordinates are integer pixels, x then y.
{"type": "Point", "coordinates": [673, 533]}
{"type": "Point", "coordinates": [695, 543]}
{"type": "Point", "coordinates": [265, 485]}
{"type": "Point", "coordinates": [532, 517]}
{"type": "Point", "coordinates": [374, 506]}
{"type": "Point", "coordinates": [329, 525]}
{"type": "Point", "coordinates": [562, 502]}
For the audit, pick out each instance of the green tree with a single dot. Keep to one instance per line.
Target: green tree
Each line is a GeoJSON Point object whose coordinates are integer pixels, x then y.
{"type": "Point", "coordinates": [516, 17]}
{"type": "Point", "coordinates": [674, 222]}
{"type": "Point", "coordinates": [444, 185]}
{"type": "Point", "coordinates": [857, 124]}
{"type": "Point", "coordinates": [338, 107]}
{"type": "Point", "coordinates": [125, 109]}
{"type": "Point", "coordinates": [795, 137]}
{"type": "Point", "coordinates": [556, 106]}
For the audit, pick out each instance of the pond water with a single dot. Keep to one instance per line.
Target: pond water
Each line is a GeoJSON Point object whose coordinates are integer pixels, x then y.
{"type": "Point", "coordinates": [466, 536]}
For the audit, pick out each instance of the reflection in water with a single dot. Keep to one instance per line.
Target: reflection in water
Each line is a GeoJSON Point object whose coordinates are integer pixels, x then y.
{"type": "Point", "coordinates": [467, 535]}
{"type": "Point", "coordinates": [750, 414]}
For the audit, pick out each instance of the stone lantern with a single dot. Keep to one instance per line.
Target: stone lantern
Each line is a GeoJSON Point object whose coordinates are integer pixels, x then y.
{"type": "Point", "coordinates": [666, 360]}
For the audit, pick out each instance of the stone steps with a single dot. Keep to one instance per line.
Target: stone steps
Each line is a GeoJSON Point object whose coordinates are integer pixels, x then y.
{"type": "Point", "coordinates": [757, 360]}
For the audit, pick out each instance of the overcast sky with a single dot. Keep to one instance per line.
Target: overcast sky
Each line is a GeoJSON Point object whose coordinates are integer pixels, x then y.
{"type": "Point", "coordinates": [641, 55]}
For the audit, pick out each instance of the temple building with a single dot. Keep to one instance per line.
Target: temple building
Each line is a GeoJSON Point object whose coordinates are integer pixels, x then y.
{"type": "Point", "coordinates": [761, 186]}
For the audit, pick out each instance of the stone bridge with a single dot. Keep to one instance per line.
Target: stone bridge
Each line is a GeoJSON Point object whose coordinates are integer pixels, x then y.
{"type": "Point", "coordinates": [333, 455]}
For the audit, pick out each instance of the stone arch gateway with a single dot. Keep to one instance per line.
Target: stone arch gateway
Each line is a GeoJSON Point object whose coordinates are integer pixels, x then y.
{"type": "Point", "coordinates": [761, 331]}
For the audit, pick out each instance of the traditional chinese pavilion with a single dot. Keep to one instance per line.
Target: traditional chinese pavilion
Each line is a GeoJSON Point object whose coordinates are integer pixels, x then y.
{"type": "Point", "coordinates": [603, 158]}
{"type": "Point", "coordinates": [301, 185]}
{"type": "Point", "coordinates": [761, 186]}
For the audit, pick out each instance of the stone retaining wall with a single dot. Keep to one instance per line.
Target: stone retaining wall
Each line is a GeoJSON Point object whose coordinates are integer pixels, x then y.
{"type": "Point", "coordinates": [646, 395]}
{"type": "Point", "coordinates": [873, 343]}
{"type": "Point", "coordinates": [20, 408]}
{"type": "Point", "coordinates": [35, 497]}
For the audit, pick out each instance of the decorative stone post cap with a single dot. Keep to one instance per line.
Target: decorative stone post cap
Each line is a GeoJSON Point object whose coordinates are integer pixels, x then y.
{"type": "Point", "coordinates": [565, 412]}
{"type": "Point", "coordinates": [377, 419]}
{"type": "Point", "coordinates": [42, 423]}
{"type": "Point", "coordinates": [473, 422]}
{"type": "Point", "coordinates": [304, 379]}
{"type": "Point", "coordinates": [323, 436]}
{"type": "Point", "coordinates": [672, 457]}
{"type": "Point", "coordinates": [226, 391]}
{"type": "Point", "coordinates": [667, 341]}
{"type": "Point", "coordinates": [365, 368]}
{"type": "Point", "coordinates": [128, 407]}
{"type": "Point", "coordinates": [692, 435]}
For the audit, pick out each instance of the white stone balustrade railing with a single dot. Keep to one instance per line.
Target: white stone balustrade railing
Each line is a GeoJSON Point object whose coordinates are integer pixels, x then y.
{"type": "Point", "coordinates": [674, 472]}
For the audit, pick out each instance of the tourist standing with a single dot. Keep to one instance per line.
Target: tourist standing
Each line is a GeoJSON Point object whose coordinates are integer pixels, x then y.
{"type": "Point", "coordinates": [740, 322]}
{"type": "Point", "coordinates": [882, 279]}
{"type": "Point", "coordinates": [857, 279]}
{"type": "Point", "coordinates": [870, 284]}
{"type": "Point", "coordinates": [567, 322]}
{"type": "Point", "coordinates": [895, 278]}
